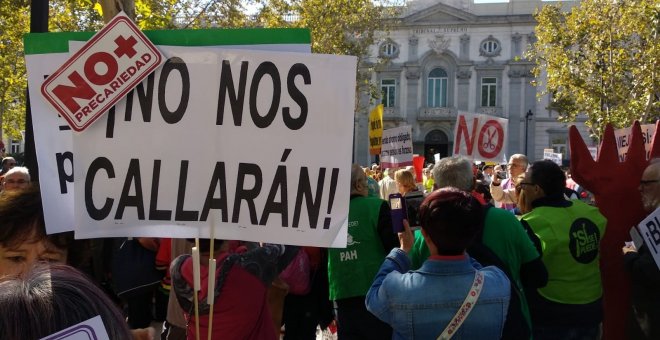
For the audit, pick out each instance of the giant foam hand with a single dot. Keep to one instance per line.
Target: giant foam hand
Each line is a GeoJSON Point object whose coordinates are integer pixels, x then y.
{"type": "Point", "coordinates": [614, 185]}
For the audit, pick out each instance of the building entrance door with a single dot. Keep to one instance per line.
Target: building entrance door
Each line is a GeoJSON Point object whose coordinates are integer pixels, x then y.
{"type": "Point", "coordinates": [435, 141]}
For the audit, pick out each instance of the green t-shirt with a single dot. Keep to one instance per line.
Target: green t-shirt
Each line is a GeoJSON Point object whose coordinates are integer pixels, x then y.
{"type": "Point", "coordinates": [505, 236]}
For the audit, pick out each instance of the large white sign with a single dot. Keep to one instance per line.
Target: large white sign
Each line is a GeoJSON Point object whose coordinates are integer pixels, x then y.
{"type": "Point", "coordinates": [154, 159]}
{"type": "Point", "coordinates": [396, 150]}
{"type": "Point", "coordinates": [624, 135]}
{"type": "Point", "coordinates": [480, 137]}
{"type": "Point", "coordinates": [649, 229]}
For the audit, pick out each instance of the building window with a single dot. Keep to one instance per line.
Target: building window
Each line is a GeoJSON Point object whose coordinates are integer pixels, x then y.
{"type": "Point", "coordinates": [559, 145]}
{"type": "Point", "coordinates": [388, 88]}
{"type": "Point", "coordinates": [490, 47]}
{"type": "Point", "coordinates": [15, 146]}
{"type": "Point", "coordinates": [488, 92]}
{"type": "Point", "coordinates": [437, 88]}
{"type": "Point", "coordinates": [389, 49]}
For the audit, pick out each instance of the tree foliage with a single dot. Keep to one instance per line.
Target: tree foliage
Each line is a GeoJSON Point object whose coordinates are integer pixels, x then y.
{"type": "Point", "coordinates": [601, 59]}
{"type": "Point", "coordinates": [345, 27]}
{"type": "Point", "coordinates": [14, 21]}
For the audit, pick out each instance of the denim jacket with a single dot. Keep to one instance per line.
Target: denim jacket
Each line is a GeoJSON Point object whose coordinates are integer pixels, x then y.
{"type": "Point", "coordinates": [419, 304]}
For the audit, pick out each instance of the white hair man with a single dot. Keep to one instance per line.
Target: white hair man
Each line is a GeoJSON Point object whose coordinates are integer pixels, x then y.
{"type": "Point", "coordinates": [504, 191]}
{"type": "Point", "coordinates": [16, 178]}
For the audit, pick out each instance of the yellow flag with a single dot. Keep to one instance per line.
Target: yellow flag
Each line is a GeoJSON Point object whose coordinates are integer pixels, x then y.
{"type": "Point", "coordinates": [375, 130]}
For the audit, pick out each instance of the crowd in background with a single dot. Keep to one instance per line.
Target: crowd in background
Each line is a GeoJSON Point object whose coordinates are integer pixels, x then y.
{"type": "Point", "coordinates": [493, 251]}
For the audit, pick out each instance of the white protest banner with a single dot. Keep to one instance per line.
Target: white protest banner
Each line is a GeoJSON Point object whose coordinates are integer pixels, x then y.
{"type": "Point", "coordinates": [623, 139]}
{"type": "Point", "coordinates": [396, 150]}
{"type": "Point", "coordinates": [480, 137]}
{"type": "Point", "coordinates": [267, 149]}
{"type": "Point", "coordinates": [45, 52]}
{"type": "Point", "coordinates": [551, 155]}
{"type": "Point", "coordinates": [107, 67]}
{"type": "Point", "coordinates": [92, 329]}
{"type": "Point", "coordinates": [649, 229]}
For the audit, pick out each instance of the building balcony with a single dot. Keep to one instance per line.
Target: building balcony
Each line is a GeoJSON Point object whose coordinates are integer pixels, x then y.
{"type": "Point", "coordinates": [492, 111]}
{"type": "Point", "coordinates": [392, 114]}
{"type": "Point", "coordinates": [437, 113]}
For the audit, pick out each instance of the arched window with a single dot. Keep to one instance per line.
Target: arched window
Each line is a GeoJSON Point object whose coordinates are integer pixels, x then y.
{"type": "Point", "coordinates": [437, 88]}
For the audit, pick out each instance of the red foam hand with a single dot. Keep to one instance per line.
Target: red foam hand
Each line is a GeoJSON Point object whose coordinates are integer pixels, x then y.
{"type": "Point", "coordinates": [614, 185]}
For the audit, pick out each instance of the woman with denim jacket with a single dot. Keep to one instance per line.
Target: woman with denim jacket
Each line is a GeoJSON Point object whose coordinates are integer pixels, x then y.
{"type": "Point", "coordinates": [421, 304]}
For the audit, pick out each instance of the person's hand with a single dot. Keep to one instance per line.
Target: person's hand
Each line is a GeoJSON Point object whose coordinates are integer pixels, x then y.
{"type": "Point", "coordinates": [629, 248]}
{"type": "Point", "coordinates": [406, 237]}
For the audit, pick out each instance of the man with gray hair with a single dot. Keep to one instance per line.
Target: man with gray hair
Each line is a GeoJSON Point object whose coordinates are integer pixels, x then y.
{"type": "Point", "coordinates": [503, 235]}
{"type": "Point", "coordinates": [16, 178]}
{"type": "Point", "coordinates": [504, 191]}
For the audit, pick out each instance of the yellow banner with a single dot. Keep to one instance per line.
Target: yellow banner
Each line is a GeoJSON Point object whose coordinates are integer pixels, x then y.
{"type": "Point", "coordinates": [375, 130]}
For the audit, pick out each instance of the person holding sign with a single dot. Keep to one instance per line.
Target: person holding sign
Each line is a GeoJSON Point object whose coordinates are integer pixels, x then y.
{"type": "Point", "coordinates": [242, 278]}
{"type": "Point", "coordinates": [568, 235]}
{"type": "Point", "coordinates": [643, 270]}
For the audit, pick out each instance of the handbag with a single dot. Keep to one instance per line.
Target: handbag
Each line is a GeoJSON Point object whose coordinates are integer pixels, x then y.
{"type": "Point", "coordinates": [466, 307]}
{"type": "Point", "coordinates": [297, 274]}
{"type": "Point", "coordinates": [134, 269]}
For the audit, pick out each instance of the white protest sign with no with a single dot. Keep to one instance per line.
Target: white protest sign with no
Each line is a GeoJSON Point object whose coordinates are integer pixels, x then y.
{"type": "Point", "coordinates": [101, 73]}
{"type": "Point", "coordinates": [649, 229]}
{"type": "Point", "coordinates": [254, 143]}
{"type": "Point", "coordinates": [396, 150]}
{"type": "Point", "coordinates": [45, 52]}
{"type": "Point", "coordinates": [480, 137]}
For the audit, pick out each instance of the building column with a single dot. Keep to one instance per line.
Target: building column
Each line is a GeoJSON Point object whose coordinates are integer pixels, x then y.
{"type": "Point", "coordinates": [463, 75]}
{"type": "Point", "coordinates": [412, 90]}
{"type": "Point", "coordinates": [515, 113]}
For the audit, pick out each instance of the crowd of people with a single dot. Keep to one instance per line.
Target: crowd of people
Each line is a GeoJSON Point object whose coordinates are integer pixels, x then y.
{"type": "Point", "coordinates": [505, 251]}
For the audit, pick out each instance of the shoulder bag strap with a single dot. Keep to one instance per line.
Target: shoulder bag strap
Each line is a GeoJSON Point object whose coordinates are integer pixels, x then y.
{"type": "Point", "coordinates": [466, 308]}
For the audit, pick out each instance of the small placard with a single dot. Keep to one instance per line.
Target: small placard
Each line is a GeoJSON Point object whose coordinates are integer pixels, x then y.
{"type": "Point", "coordinates": [649, 229]}
{"type": "Point", "coordinates": [102, 72]}
{"type": "Point", "coordinates": [91, 329]}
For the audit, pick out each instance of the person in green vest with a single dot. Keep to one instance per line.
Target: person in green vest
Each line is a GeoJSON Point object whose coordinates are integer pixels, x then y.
{"type": "Point", "coordinates": [568, 235]}
{"type": "Point", "coordinates": [351, 270]}
{"type": "Point", "coordinates": [503, 235]}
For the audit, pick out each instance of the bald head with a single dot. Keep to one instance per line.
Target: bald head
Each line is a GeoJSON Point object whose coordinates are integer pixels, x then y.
{"type": "Point", "coordinates": [649, 186]}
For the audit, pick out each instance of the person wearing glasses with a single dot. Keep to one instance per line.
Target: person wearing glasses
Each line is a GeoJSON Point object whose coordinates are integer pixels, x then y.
{"type": "Point", "coordinates": [504, 190]}
{"type": "Point", "coordinates": [644, 273]}
{"type": "Point", "coordinates": [17, 178]}
{"type": "Point", "coordinates": [7, 164]}
{"type": "Point", "coordinates": [567, 234]}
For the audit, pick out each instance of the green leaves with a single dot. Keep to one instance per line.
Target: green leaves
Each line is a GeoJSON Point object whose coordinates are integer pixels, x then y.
{"type": "Point", "coordinates": [602, 59]}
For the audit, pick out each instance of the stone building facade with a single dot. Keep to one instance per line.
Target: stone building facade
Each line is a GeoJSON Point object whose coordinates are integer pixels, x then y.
{"type": "Point", "coordinates": [456, 55]}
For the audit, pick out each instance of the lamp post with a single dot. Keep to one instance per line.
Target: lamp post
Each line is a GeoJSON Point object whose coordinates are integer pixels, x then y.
{"type": "Point", "coordinates": [528, 115]}
{"type": "Point", "coordinates": [38, 24]}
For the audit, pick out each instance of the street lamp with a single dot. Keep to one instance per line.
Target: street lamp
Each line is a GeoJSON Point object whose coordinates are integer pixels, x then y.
{"type": "Point", "coordinates": [528, 115]}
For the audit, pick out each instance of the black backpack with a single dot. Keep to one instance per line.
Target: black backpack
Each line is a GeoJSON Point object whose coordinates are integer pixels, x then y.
{"type": "Point", "coordinates": [515, 326]}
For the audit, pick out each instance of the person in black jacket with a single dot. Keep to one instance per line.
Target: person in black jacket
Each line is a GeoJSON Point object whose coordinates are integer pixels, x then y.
{"type": "Point", "coordinates": [644, 272]}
